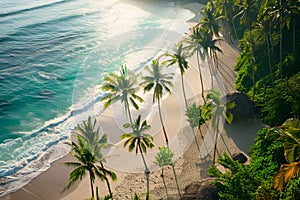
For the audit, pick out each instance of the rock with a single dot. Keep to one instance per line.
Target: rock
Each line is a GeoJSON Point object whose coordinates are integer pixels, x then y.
{"type": "Point", "coordinates": [240, 157]}
{"type": "Point", "coordinates": [244, 108]}
{"type": "Point", "coordinates": [201, 190]}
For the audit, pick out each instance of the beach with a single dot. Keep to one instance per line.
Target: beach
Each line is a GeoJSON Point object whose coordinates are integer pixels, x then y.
{"type": "Point", "coordinates": [189, 165]}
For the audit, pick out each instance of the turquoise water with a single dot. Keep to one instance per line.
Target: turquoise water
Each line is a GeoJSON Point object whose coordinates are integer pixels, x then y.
{"type": "Point", "coordinates": [53, 55]}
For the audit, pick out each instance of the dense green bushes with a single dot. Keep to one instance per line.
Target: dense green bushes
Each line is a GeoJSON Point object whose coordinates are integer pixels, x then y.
{"type": "Point", "coordinates": [274, 40]}
{"type": "Point", "coordinates": [256, 180]}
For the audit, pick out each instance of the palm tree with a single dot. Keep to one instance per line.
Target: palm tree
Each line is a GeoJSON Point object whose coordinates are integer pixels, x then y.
{"type": "Point", "coordinates": [282, 11]}
{"type": "Point", "coordinates": [159, 82]}
{"type": "Point", "coordinates": [179, 57]}
{"type": "Point", "coordinates": [286, 173]}
{"type": "Point", "coordinates": [265, 26]}
{"type": "Point", "coordinates": [194, 44]}
{"type": "Point", "coordinates": [225, 8]}
{"type": "Point", "coordinates": [210, 49]}
{"type": "Point", "coordinates": [214, 109]}
{"type": "Point", "coordinates": [87, 162]}
{"type": "Point", "coordinates": [121, 88]}
{"type": "Point", "coordinates": [289, 135]}
{"type": "Point", "coordinates": [210, 19]}
{"type": "Point", "coordinates": [202, 43]}
{"type": "Point", "coordinates": [246, 17]}
{"type": "Point", "coordinates": [139, 141]}
{"type": "Point", "coordinates": [95, 145]}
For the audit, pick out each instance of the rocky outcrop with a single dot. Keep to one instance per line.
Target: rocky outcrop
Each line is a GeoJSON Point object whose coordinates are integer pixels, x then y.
{"type": "Point", "coordinates": [201, 190]}
{"type": "Point", "coordinates": [244, 107]}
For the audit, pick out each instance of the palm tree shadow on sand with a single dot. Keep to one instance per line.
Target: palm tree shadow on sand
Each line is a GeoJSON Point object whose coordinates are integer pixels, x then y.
{"type": "Point", "coordinates": [203, 166]}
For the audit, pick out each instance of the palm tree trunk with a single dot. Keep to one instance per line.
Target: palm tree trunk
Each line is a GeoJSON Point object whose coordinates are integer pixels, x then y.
{"type": "Point", "coordinates": [91, 184]}
{"type": "Point", "coordinates": [129, 113]}
{"type": "Point", "coordinates": [203, 139]}
{"type": "Point", "coordinates": [225, 144]}
{"type": "Point", "coordinates": [106, 180]}
{"type": "Point", "coordinates": [252, 61]}
{"type": "Point", "coordinates": [233, 25]}
{"type": "Point", "coordinates": [176, 180]}
{"type": "Point", "coordinates": [147, 172]}
{"type": "Point", "coordinates": [211, 135]}
{"type": "Point", "coordinates": [183, 91]}
{"type": "Point", "coordinates": [216, 140]}
{"type": "Point", "coordinates": [162, 123]}
{"type": "Point", "coordinates": [269, 59]}
{"type": "Point", "coordinates": [210, 71]}
{"type": "Point", "coordinates": [280, 48]}
{"type": "Point", "coordinates": [200, 76]}
{"type": "Point", "coordinates": [164, 182]}
{"type": "Point", "coordinates": [294, 35]}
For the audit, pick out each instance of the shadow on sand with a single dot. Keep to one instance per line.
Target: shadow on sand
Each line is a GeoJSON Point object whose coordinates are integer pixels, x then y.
{"type": "Point", "coordinates": [243, 133]}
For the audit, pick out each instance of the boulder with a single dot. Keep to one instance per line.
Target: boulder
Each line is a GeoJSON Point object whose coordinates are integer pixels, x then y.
{"type": "Point", "coordinates": [240, 157]}
{"type": "Point", "coordinates": [244, 109]}
{"type": "Point", "coordinates": [201, 190]}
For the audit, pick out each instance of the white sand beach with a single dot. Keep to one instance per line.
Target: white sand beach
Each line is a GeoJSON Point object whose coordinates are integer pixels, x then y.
{"type": "Point", "coordinates": [129, 167]}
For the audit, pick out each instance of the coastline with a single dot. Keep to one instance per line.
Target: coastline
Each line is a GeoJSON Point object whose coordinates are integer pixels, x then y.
{"type": "Point", "coordinates": [49, 184]}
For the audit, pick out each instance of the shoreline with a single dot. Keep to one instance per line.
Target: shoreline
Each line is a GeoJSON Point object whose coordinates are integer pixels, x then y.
{"type": "Point", "coordinates": [38, 185]}
{"type": "Point", "coordinates": [48, 184]}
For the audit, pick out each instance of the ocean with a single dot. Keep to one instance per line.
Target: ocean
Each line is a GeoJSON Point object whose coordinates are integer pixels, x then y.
{"type": "Point", "coordinates": [53, 56]}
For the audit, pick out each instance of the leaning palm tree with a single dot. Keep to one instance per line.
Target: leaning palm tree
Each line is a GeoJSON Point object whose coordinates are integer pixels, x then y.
{"type": "Point", "coordinates": [179, 57]}
{"type": "Point", "coordinates": [194, 45]}
{"type": "Point", "coordinates": [214, 109]}
{"type": "Point", "coordinates": [159, 82]}
{"type": "Point", "coordinates": [210, 19]}
{"type": "Point", "coordinates": [87, 162]}
{"type": "Point", "coordinates": [201, 42]}
{"type": "Point", "coordinates": [139, 141]}
{"type": "Point", "coordinates": [95, 144]}
{"type": "Point", "coordinates": [210, 50]}
{"type": "Point", "coordinates": [225, 8]}
{"type": "Point", "coordinates": [121, 88]}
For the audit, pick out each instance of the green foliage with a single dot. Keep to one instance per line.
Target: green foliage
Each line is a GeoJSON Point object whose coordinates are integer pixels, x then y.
{"type": "Point", "coordinates": [282, 101]}
{"type": "Point", "coordinates": [292, 191]}
{"type": "Point", "coordinates": [164, 157]}
{"type": "Point", "coordinates": [253, 181]}
{"type": "Point", "coordinates": [236, 183]}
{"type": "Point", "coordinates": [266, 154]}
{"type": "Point", "coordinates": [194, 115]}
{"type": "Point", "coordinates": [272, 46]}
